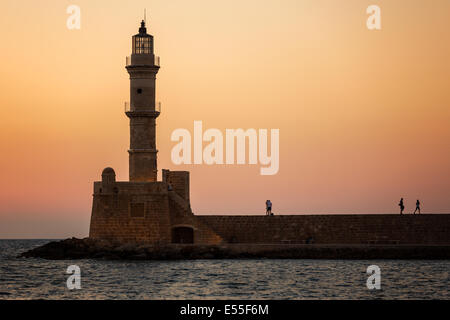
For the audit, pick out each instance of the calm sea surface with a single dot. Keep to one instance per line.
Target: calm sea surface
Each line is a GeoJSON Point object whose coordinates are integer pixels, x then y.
{"type": "Point", "coordinates": [217, 279]}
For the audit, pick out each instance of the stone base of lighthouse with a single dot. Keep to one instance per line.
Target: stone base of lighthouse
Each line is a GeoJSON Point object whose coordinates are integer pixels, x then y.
{"type": "Point", "coordinates": [147, 212]}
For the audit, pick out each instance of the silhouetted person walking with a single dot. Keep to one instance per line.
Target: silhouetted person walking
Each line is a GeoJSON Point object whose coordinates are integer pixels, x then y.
{"type": "Point", "coordinates": [268, 208]}
{"type": "Point", "coordinates": [401, 205]}
{"type": "Point", "coordinates": [417, 206]}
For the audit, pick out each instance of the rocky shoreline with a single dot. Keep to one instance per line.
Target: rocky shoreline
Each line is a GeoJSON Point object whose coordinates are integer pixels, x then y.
{"type": "Point", "coordinates": [73, 248]}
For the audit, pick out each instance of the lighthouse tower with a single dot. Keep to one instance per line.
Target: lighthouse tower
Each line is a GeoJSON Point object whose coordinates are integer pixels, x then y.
{"type": "Point", "coordinates": [144, 210]}
{"type": "Point", "coordinates": [142, 110]}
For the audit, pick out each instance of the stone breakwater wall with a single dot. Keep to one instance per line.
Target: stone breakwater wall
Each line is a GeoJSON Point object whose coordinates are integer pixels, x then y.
{"type": "Point", "coordinates": [429, 229]}
{"type": "Point", "coordinates": [101, 249]}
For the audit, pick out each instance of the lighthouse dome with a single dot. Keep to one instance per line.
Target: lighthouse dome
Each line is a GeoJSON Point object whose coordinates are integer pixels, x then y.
{"type": "Point", "coordinates": [108, 171]}
{"type": "Point", "coordinates": [108, 175]}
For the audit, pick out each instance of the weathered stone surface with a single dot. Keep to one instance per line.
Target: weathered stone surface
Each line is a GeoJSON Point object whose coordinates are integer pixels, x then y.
{"type": "Point", "coordinates": [431, 229]}
{"type": "Point", "coordinates": [145, 212]}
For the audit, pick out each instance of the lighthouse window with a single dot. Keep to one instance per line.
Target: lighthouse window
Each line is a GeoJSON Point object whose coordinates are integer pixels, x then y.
{"type": "Point", "coordinates": [142, 44]}
{"type": "Point", "coordinates": [139, 91]}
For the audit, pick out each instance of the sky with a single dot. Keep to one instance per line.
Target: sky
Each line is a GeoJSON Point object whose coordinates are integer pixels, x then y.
{"type": "Point", "coordinates": [363, 115]}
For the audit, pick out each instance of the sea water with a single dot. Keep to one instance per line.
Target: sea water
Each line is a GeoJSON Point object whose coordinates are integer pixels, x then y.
{"type": "Point", "coordinates": [31, 278]}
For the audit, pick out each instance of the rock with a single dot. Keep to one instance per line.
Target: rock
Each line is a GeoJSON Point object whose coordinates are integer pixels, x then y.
{"type": "Point", "coordinates": [101, 249]}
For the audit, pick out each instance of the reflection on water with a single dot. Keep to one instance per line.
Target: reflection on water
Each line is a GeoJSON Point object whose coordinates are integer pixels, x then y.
{"type": "Point", "coordinates": [217, 279]}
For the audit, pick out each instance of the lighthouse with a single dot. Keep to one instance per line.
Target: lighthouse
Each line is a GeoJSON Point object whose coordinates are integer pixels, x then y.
{"type": "Point", "coordinates": [143, 209]}
{"type": "Point", "coordinates": [142, 109]}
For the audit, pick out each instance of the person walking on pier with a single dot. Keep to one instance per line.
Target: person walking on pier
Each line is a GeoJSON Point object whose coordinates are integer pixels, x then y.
{"type": "Point", "coordinates": [268, 208]}
{"type": "Point", "coordinates": [417, 206]}
{"type": "Point", "coordinates": [401, 205]}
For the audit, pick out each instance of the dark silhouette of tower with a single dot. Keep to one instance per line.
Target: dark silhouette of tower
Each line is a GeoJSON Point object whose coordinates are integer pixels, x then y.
{"type": "Point", "coordinates": [142, 110]}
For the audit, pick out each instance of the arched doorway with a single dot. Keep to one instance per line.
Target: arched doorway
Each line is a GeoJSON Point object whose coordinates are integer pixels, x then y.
{"type": "Point", "coordinates": [182, 235]}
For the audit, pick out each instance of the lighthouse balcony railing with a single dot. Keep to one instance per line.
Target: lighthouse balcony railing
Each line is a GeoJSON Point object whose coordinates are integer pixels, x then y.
{"type": "Point", "coordinates": [156, 61]}
{"type": "Point", "coordinates": [128, 107]}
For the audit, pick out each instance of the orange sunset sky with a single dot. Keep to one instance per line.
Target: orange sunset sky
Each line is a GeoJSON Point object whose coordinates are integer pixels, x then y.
{"type": "Point", "coordinates": [363, 115]}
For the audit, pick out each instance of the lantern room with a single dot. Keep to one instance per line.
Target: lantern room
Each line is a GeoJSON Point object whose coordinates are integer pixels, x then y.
{"type": "Point", "coordinates": [142, 42]}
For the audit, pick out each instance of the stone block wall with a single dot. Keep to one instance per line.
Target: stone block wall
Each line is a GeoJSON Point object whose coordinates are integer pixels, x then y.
{"type": "Point", "coordinates": [179, 180]}
{"type": "Point", "coordinates": [333, 229]}
{"type": "Point", "coordinates": [153, 213]}
{"type": "Point", "coordinates": [133, 212]}
{"type": "Point", "coordinates": [145, 212]}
